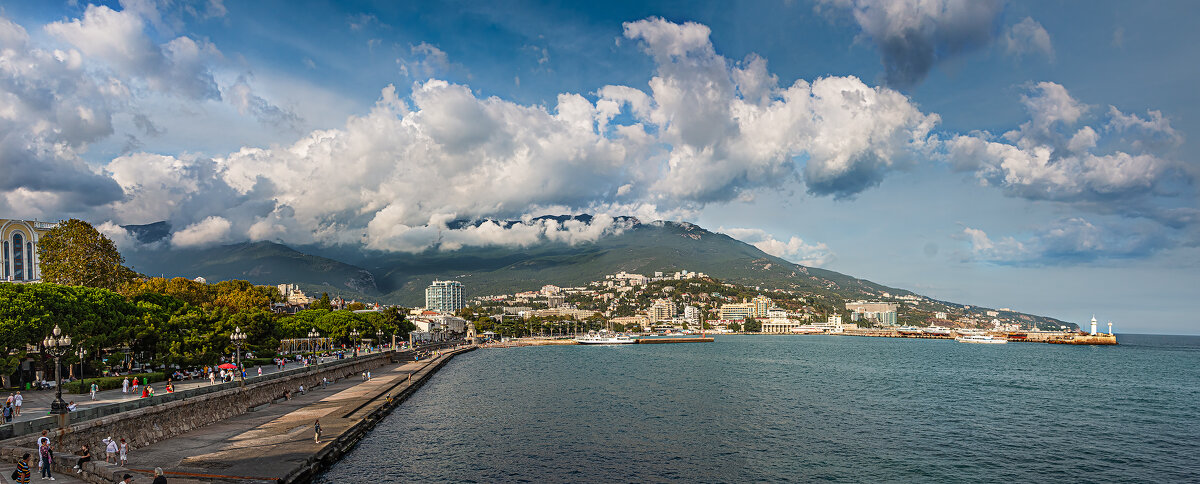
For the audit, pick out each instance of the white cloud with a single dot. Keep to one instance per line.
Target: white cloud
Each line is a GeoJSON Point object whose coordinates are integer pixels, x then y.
{"type": "Point", "coordinates": [914, 35]}
{"type": "Point", "coordinates": [1028, 37]}
{"type": "Point", "coordinates": [794, 249]}
{"type": "Point", "coordinates": [1048, 158]}
{"type": "Point", "coordinates": [1067, 241]}
{"type": "Point", "coordinates": [211, 230]}
{"type": "Point", "coordinates": [118, 38]}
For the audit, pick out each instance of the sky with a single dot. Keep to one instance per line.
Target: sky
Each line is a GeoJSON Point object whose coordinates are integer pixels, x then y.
{"type": "Point", "coordinates": [1027, 155]}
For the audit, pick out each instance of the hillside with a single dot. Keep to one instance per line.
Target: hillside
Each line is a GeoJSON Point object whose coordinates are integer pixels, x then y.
{"type": "Point", "coordinates": [401, 278]}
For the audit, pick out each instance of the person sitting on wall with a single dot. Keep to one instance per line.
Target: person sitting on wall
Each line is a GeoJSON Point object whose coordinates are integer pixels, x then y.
{"type": "Point", "coordinates": [145, 392]}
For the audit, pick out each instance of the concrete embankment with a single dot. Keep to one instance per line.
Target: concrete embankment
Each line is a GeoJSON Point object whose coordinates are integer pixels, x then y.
{"type": "Point", "coordinates": [161, 418]}
{"type": "Point", "coordinates": [366, 415]}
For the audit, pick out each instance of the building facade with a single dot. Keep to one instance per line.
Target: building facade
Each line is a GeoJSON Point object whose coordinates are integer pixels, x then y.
{"type": "Point", "coordinates": [444, 296]}
{"type": "Point", "coordinates": [18, 249]}
{"type": "Point", "coordinates": [661, 310]}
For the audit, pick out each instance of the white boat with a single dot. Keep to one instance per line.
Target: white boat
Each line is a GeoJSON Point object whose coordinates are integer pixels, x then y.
{"type": "Point", "coordinates": [986, 339]}
{"type": "Point", "coordinates": [908, 330]}
{"type": "Point", "coordinates": [937, 330]}
{"type": "Point", "coordinates": [605, 338]}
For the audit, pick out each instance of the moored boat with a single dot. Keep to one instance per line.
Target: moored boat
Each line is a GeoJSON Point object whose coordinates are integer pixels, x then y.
{"type": "Point", "coordinates": [980, 339]}
{"type": "Point", "coordinates": [605, 338]}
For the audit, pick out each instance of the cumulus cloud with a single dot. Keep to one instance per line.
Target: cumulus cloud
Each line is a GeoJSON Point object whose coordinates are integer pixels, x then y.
{"type": "Point", "coordinates": [1068, 241]}
{"type": "Point", "coordinates": [209, 231]}
{"type": "Point", "coordinates": [1050, 157]}
{"type": "Point", "coordinates": [914, 35]}
{"type": "Point", "coordinates": [425, 62]}
{"type": "Point", "coordinates": [1028, 37]}
{"type": "Point", "coordinates": [794, 249]}
{"type": "Point", "coordinates": [119, 38]}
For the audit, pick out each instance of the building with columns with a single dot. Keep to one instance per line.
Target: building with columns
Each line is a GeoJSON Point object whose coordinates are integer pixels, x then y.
{"type": "Point", "coordinates": [18, 249]}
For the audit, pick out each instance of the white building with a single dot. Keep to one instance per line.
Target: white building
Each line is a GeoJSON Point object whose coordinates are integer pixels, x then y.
{"type": "Point", "coordinates": [444, 296]}
{"type": "Point", "coordinates": [692, 315]}
{"type": "Point", "coordinates": [18, 253]}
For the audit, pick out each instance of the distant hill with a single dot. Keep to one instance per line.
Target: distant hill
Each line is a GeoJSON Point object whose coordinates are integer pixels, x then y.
{"type": "Point", "coordinates": [401, 278]}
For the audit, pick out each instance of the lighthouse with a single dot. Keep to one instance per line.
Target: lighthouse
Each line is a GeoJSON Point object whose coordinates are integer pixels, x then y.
{"type": "Point", "coordinates": [1110, 328]}
{"type": "Point", "coordinates": [1093, 324]}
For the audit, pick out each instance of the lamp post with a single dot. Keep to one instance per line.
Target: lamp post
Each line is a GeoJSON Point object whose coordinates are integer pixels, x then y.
{"type": "Point", "coordinates": [82, 352]}
{"type": "Point", "coordinates": [379, 339]}
{"type": "Point", "coordinates": [354, 339]}
{"type": "Point", "coordinates": [57, 344]}
{"type": "Point", "coordinates": [313, 335]}
{"type": "Point", "coordinates": [238, 338]}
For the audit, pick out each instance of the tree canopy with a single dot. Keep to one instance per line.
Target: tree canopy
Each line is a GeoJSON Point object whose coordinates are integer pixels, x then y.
{"type": "Point", "coordinates": [75, 254]}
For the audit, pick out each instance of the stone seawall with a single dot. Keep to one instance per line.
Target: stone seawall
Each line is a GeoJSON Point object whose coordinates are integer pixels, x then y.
{"type": "Point", "coordinates": [147, 425]}
{"type": "Point", "coordinates": [368, 415]}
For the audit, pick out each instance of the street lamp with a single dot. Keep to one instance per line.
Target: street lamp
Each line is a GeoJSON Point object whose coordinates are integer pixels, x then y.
{"type": "Point", "coordinates": [82, 352]}
{"type": "Point", "coordinates": [354, 339]}
{"type": "Point", "coordinates": [312, 336]}
{"type": "Point", "coordinates": [57, 344]}
{"type": "Point", "coordinates": [238, 338]}
{"type": "Point", "coordinates": [379, 339]}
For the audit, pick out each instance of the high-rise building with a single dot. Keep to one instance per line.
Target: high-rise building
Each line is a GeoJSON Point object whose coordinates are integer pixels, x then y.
{"type": "Point", "coordinates": [444, 296]}
{"type": "Point", "coordinates": [761, 305]}
{"type": "Point", "coordinates": [738, 310]}
{"type": "Point", "coordinates": [692, 315]}
{"type": "Point", "coordinates": [662, 309]}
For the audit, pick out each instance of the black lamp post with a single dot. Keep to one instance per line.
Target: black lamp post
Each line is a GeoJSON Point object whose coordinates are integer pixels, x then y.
{"type": "Point", "coordinates": [238, 338]}
{"type": "Point", "coordinates": [57, 344]}
{"type": "Point", "coordinates": [379, 339]}
{"type": "Point", "coordinates": [313, 334]}
{"type": "Point", "coordinates": [82, 352]}
{"type": "Point", "coordinates": [354, 339]}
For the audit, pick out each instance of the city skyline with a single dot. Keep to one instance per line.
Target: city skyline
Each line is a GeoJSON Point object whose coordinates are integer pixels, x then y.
{"type": "Point", "coordinates": [1003, 154]}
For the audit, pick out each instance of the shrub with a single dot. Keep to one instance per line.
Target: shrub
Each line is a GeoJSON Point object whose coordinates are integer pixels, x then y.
{"type": "Point", "coordinates": [109, 382]}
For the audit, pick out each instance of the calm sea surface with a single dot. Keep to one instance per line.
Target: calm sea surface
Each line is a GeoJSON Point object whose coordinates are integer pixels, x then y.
{"type": "Point", "coordinates": [799, 408]}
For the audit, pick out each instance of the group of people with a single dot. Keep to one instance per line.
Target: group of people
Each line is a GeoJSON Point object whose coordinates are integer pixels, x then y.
{"type": "Point", "coordinates": [12, 406]}
{"type": "Point", "coordinates": [116, 452]}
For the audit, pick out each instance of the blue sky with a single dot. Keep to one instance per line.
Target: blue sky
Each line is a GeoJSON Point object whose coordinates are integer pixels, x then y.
{"type": "Point", "coordinates": [1032, 155]}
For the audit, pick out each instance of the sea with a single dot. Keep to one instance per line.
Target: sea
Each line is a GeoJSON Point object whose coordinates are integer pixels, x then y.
{"type": "Point", "coordinates": [798, 408]}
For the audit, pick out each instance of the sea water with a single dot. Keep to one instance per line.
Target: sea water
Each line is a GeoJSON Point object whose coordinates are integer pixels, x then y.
{"type": "Point", "coordinates": [799, 408]}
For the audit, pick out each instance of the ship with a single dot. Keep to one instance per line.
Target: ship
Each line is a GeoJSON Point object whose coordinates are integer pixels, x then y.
{"type": "Point", "coordinates": [986, 339]}
{"type": "Point", "coordinates": [605, 338]}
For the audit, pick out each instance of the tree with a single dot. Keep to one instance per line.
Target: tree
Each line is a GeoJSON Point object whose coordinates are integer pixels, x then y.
{"type": "Point", "coordinates": [752, 325]}
{"type": "Point", "coordinates": [734, 326]}
{"type": "Point", "coordinates": [323, 303]}
{"type": "Point", "coordinates": [75, 254]}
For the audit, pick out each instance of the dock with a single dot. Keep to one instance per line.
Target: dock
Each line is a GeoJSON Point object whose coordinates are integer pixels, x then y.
{"type": "Point", "coordinates": [658, 341]}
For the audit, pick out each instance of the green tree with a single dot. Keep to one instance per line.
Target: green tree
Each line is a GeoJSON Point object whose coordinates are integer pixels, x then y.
{"type": "Point", "coordinates": [751, 325]}
{"type": "Point", "coordinates": [75, 254]}
{"type": "Point", "coordinates": [734, 326]}
{"type": "Point", "coordinates": [323, 303]}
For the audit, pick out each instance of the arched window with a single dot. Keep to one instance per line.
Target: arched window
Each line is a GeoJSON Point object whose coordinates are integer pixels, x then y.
{"type": "Point", "coordinates": [18, 255]}
{"type": "Point", "coordinates": [4, 260]}
{"type": "Point", "coordinates": [29, 266]}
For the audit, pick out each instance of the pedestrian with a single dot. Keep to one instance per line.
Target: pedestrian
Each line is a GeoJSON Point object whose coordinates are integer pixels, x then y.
{"type": "Point", "coordinates": [47, 457]}
{"type": "Point", "coordinates": [85, 456]}
{"type": "Point", "coordinates": [324, 382]}
{"type": "Point", "coordinates": [260, 371]}
{"type": "Point", "coordinates": [126, 479]}
{"type": "Point", "coordinates": [123, 457]}
{"type": "Point", "coordinates": [8, 412]}
{"type": "Point", "coordinates": [212, 378]}
{"type": "Point", "coordinates": [317, 431]}
{"type": "Point", "coordinates": [21, 475]}
{"type": "Point", "coordinates": [17, 401]}
{"type": "Point", "coordinates": [110, 450]}
{"type": "Point", "coordinates": [95, 388]}
{"type": "Point", "coordinates": [135, 385]}
{"type": "Point", "coordinates": [125, 385]}
{"type": "Point", "coordinates": [159, 478]}
{"type": "Point", "coordinates": [10, 398]}
{"type": "Point", "coordinates": [368, 375]}
{"type": "Point", "coordinates": [44, 439]}
{"type": "Point", "coordinates": [72, 407]}
{"type": "Point", "coordinates": [145, 392]}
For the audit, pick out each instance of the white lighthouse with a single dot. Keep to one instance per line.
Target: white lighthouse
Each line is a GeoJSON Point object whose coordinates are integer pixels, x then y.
{"type": "Point", "coordinates": [1110, 328]}
{"type": "Point", "coordinates": [1093, 324]}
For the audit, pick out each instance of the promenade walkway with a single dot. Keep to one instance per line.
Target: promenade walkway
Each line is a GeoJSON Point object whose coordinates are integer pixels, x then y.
{"type": "Point", "coordinates": [266, 445]}
{"type": "Point", "coordinates": [37, 402]}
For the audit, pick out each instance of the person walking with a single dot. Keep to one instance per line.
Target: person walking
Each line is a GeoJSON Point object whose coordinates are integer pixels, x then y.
{"type": "Point", "coordinates": [47, 457]}
{"type": "Point", "coordinates": [260, 371]}
{"type": "Point", "coordinates": [95, 388]}
{"type": "Point", "coordinates": [159, 478]}
{"type": "Point", "coordinates": [125, 385]}
{"type": "Point", "coordinates": [317, 431]}
{"type": "Point", "coordinates": [17, 401]}
{"type": "Point", "coordinates": [85, 456]}
{"type": "Point", "coordinates": [8, 412]}
{"type": "Point", "coordinates": [123, 453]}
{"type": "Point", "coordinates": [110, 450]}
{"type": "Point", "coordinates": [21, 475]}
{"type": "Point", "coordinates": [135, 385]}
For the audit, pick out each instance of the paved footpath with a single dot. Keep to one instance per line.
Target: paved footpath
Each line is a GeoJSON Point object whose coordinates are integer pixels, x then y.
{"type": "Point", "coordinates": [266, 445]}
{"type": "Point", "coordinates": [37, 402]}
